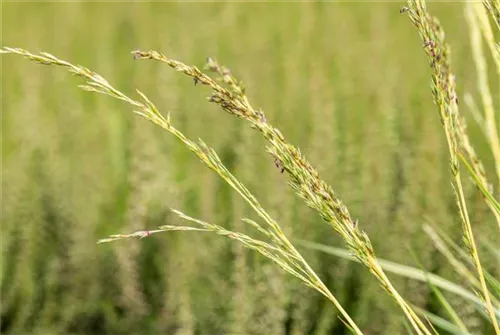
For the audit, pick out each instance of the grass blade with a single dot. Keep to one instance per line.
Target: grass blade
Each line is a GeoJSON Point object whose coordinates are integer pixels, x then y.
{"type": "Point", "coordinates": [404, 271]}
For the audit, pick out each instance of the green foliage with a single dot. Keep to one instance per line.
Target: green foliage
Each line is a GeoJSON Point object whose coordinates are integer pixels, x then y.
{"type": "Point", "coordinates": [76, 168]}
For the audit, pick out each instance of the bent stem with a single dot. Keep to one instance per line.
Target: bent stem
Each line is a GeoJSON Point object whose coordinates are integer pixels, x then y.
{"type": "Point", "coordinates": [282, 252]}
{"type": "Point", "coordinates": [305, 180]}
{"type": "Point", "coordinates": [443, 89]}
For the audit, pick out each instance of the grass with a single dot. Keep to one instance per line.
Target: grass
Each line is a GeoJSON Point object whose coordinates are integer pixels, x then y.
{"type": "Point", "coordinates": [230, 95]}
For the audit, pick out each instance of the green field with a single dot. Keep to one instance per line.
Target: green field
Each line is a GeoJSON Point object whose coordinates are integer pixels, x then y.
{"type": "Point", "coordinates": [347, 83]}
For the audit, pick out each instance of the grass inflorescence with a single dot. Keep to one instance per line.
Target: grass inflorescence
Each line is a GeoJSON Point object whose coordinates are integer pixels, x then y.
{"type": "Point", "coordinates": [229, 93]}
{"type": "Point", "coordinates": [304, 179]}
{"type": "Point", "coordinates": [445, 97]}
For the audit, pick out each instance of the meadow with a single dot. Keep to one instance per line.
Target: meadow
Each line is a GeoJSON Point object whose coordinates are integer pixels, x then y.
{"type": "Point", "coordinates": [347, 83]}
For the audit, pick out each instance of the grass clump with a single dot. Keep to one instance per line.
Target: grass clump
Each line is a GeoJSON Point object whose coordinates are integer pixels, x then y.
{"type": "Point", "coordinates": [229, 94]}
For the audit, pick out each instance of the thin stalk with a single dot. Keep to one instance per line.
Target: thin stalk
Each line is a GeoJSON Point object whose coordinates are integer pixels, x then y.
{"type": "Point", "coordinates": [148, 110]}
{"type": "Point", "coordinates": [305, 180]}
{"type": "Point", "coordinates": [445, 97]}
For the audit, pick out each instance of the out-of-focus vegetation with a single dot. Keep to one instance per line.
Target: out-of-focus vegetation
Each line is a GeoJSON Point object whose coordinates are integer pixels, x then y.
{"type": "Point", "coordinates": [347, 83]}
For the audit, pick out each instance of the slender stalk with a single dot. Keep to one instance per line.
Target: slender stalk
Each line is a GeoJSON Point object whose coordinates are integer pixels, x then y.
{"type": "Point", "coordinates": [445, 97]}
{"type": "Point", "coordinates": [477, 19]}
{"type": "Point", "coordinates": [282, 252]}
{"type": "Point", "coordinates": [305, 180]}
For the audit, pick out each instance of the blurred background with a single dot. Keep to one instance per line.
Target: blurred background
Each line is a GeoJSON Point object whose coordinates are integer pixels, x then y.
{"type": "Point", "coordinates": [347, 83]}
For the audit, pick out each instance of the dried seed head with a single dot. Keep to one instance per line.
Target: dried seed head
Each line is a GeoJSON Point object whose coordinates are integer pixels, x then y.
{"type": "Point", "coordinates": [355, 224]}
{"type": "Point", "coordinates": [279, 165]}
{"type": "Point", "coordinates": [429, 43]}
{"type": "Point", "coordinates": [261, 116]}
{"type": "Point", "coordinates": [136, 54]}
{"type": "Point", "coordinates": [212, 65]}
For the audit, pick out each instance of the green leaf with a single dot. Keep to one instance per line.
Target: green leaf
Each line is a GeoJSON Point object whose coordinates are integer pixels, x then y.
{"type": "Point", "coordinates": [405, 271]}
{"type": "Point", "coordinates": [440, 322]}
